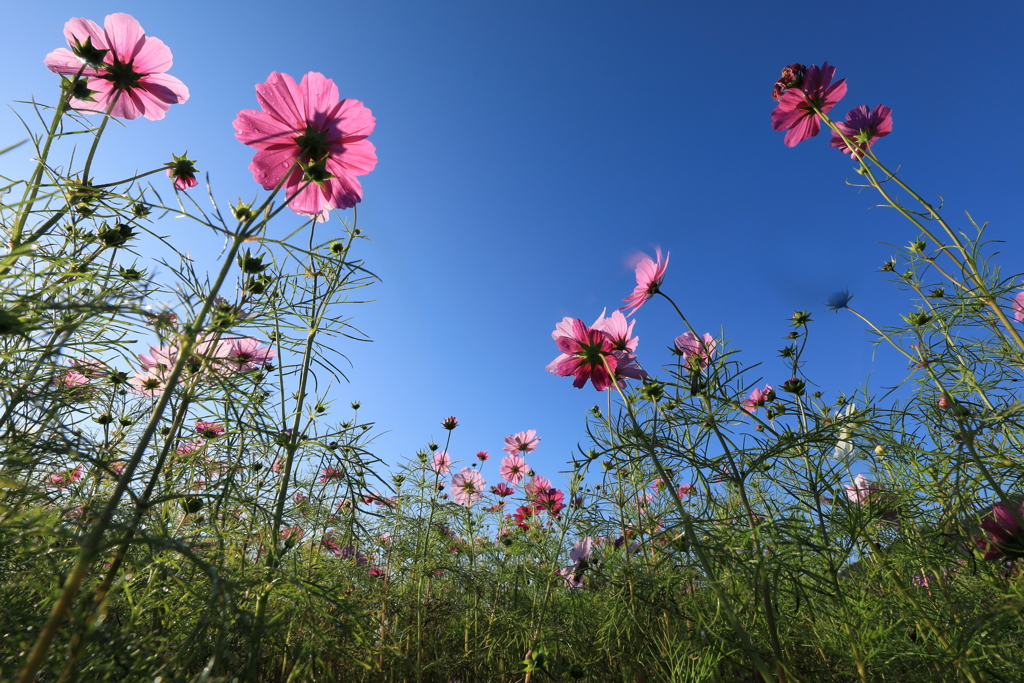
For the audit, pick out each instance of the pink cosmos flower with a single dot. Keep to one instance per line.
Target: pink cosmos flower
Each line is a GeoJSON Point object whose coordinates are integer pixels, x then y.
{"type": "Point", "coordinates": [796, 113]}
{"type": "Point", "coordinates": [536, 484]}
{"type": "Point", "coordinates": [684, 490]}
{"type": "Point", "coordinates": [243, 353]}
{"type": "Point", "coordinates": [307, 138]}
{"type": "Point", "coordinates": [502, 490]}
{"type": "Point", "coordinates": [190, 446]}
{"type": "Point", "coordinates": [513, 469]}
{"type": "Point", "coordinates": [861, 490]}
{"type": "Point", "coordinates": [292, 534]}
{"type": "Point", "coordinates": [467, 486]}
{"type": "Point", "coordinates": [521, 442]}
{"type": "Point", "coordinates": [62, 480]}
{"type": "Point", "coordinates": [758, 397]}
{"type": "Point", "coordinates": [587, 355]}
{"type": "Point", "coordinates": [550, 500]}
{"type": "Point", "coordinates": [482, 456]}
{"type": "Point", "coordinates": [375, 572]}
{"type": "Point", "coordinates": [696, 352]}
{"type": "Point", "coordinates": [863, 128]}
{"type": "Point", "coordinates": [117, 467]}
{"type": "Point", "coordinates": [330, 474]}
{"type": "Point", "coordinates": [1005, 533]}
{"type": "Point", "coordinates": [441, 463]}
{"type": "Point", "coordinates": [126, 68]}
{"type": "Point", "coordinates": [649, 276]}
{"type": "Point", "coordinates": [619, 331]}
{"type": "Point", "coordinates": [582, 550]}
{"type": "Point", "coordinates": [208, 430]}
{"type": "Point", "coordinates": [1018, 307]}
{"type": "Point", "coordinates": [159, 360]}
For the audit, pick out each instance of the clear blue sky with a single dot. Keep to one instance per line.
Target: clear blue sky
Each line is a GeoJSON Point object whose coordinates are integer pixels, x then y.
{"type": "Point", "coordinates": [528, 149]}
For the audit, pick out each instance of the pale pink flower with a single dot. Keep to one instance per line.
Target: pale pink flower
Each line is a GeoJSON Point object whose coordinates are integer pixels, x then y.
{"type": "Point", "coordinates": [132, 69]}
{"type": "Point", "coordinates": [649, 276]}
{"type": "Point", "coordinates": [696, 352]}
{"type": "Point", "coordinates": [467, 486]}
{"type": "Point", "coordinates": [190, 446]}
{"type": "Point", "coordinates": [292, 534]}
{"type": "Point", "coordinates": [684, 490]}
{"type": "Point", "coordinates": [146, 384]}
{"type": "Point", "coordinates": [309, 140]}
{"type": "Point", "coordinates": [243, 353]}
{"type": "Point", "coordinates": [159, 360]}
{"type": "Point", "coordinates": [619, 331]}
{"type": "Point", "coordinates": [513, 469]}
{"type": "Point", "coordinates": [441, 462]}
{"type": "Point", "coordinates": [521, 442]}
{"type": "Point", "coordinates": [330, 474]}
{"type": "Point", "coordinates": [117, 467]}
{"type": "Point", "coordinates": [582, 549]}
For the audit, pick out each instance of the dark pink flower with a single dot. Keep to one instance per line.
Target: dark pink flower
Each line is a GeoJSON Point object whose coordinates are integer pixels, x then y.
{"type": "Point", "coordinates": [649, 276]}
{"type": "Point", "coordinates": [862, 128]}
{"type": "Point", "coordinates": [375, 572]}
{"type": "Point", "coordinates": [758, 397]}
{"type": "Point", "coordinates": [521, 442]}
{"type": "Point", "coordinates": [125, 64]}
{"type": "Point", "coordinates": [183, 171]}
{"type": "Point", "coordinates": [513, 469]}
{"type": "Point", "coordinates": [1005, 533]}
{"type": "Point", "coordinates": [292, 534]}
{"type": "Point", "coordinates": [482, 456]}
{"type": "Point", "coordinates": [588, 355]}
{"type": "Point", "coordinates": [684, 490]}
{"type": "Point", "coordinates": [796, 113]}
{"type": "Point", "coordinates": [696, 352]}
{"type": "Point", "coordinates": [792, 76]}
{"type": "Point", "coordinates": [64, 479]}
{"type": "Point", "coordinates": [307, 138]}
{"type": "Point", "coordinates": [329, 474]}
{"type": "Point", "coordinates": [468, 486]}
{"type": "Point", "coordinates": [550, 500]}
{"type": "Point", "coordinates": [502, 490]}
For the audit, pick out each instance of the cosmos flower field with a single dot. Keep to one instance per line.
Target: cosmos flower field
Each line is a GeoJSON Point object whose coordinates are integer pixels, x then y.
{"type": "Point", "coordinates": [196, 510]}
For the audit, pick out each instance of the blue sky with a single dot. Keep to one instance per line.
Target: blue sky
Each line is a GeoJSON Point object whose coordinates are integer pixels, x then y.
{"type": "Point", "coordinates": [529, 150]}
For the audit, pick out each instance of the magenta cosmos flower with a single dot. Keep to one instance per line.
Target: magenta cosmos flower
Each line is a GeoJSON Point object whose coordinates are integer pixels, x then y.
{"type": "Point", "coordinates": [587, 355]}
{"type": "Point", "coordinates": [797, 111]}
{"type": "Point", "coordinates": [1005, 533]}
{"type": "Point", "coordinates": [863, 128]}
{"type": "Point", "coordinates": [123, 66]}
{"type": "Point", "coordinates": [696, 352]}
{"type": "Point", "coordinates": [309, 140]}
{"type": "Point", "coordinates": [649, 276]}
{"type": "Point", "coordinates": [241, 354]}
{"type": "Point", "coordinates": [513, 469]}
{"type": "Point", "coordinates": [521, 442]}
{"type": "Point", "coordinates": [467, 486]}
